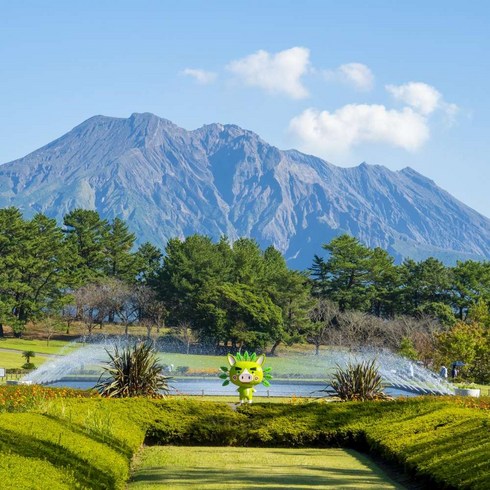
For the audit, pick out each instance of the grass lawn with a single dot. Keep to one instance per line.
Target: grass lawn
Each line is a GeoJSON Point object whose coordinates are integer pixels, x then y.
{"type": "Point", "coordinates": [291, 365]}
{"type": "Point", "coordinates": [241, 468]}
{"type": "Point", "coordinates": [14, 359]}
{"type": "Point", "coordinates": [38, 346]}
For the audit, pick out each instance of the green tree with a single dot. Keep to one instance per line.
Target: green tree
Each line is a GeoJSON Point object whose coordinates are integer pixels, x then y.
{"type": "Point", "coordinates": [253, 320]}
{"type": "Point", "coordinates": [384, 282]}
{"type": "Point", "coordinates": [345, 275]}
{"type": "Point", "coordinates": [480, 313]}
{"type": "Point", "coordinates": [148, 263]}
{"type": "Point", "coordinates": [407, 349]}
{"type": "Point", "coordinates": [88, 233]}
{"type": "Point", "coordinates": [188, 280]}
{"type": "Point", "coordinates": [27, 355]}
{"type": "Point", "coordinates": [470, 281]}
{"type": "Point", "coordinates": [291, 291]}
{"type": "Point", "coordinates": [249, 265]}
{"type": "Point", "coordinates": [35, 269]}
{"type": "Point", "coordinates": [469, 343]}
{"type": "Point", "coordinates": [13, 233]}
{"type": "Point", "coordinates": [120, 262]}
{"type": "Point", "coordinates": [424, 282]}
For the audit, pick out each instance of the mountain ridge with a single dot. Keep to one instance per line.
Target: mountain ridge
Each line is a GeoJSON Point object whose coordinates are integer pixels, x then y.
{"type": "Point", "coordinates": [220, 179]}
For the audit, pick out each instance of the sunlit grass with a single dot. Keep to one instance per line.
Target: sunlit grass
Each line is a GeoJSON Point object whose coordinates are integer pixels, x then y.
{"type": "Point", "coordinates": [241, 468]}
{"type": "Point", "coordinates": [12, 360]}
{"type": "Point", "coordinates": [38, 346]}
{"type": "Point", "coordinates": [290, 365]}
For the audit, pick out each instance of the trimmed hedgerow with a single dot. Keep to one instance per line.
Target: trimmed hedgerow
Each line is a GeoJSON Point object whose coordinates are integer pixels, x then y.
{"type": "Point", "coordinates": [437, 440]}
{"type": "Point", "coordinates": [450, 446]}
{"type": "Point", "coordinates": [21, 472]}
{"type": "Point", "coordinates": [191, 422]}
{"type": "Point", "coordinates": [87, 441]}
{"type": "Point", "coordinates": [23, 398]}
{"type": "Point", "coordinates": [444, 441]}
{"type": "Point", "coordinates": [92, 463]}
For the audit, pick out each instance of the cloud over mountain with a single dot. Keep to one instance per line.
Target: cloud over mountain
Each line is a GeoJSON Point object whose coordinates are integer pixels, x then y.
{"type": "Point", "coordinates": [324, 132]}
{"type": "Point", "coordinates": [276, 73]}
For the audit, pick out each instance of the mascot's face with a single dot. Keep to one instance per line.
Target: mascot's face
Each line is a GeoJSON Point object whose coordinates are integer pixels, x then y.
{"type": "Point", "coordinates": [246, 373]}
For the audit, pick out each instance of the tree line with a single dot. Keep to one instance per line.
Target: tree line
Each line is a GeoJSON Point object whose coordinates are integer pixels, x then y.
{"type": "Point", "coordinates": [236, 294]}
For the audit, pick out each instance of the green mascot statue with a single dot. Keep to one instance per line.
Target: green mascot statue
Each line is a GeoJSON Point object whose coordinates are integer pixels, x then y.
{"type": "Point", "coordinates": [246, 371]}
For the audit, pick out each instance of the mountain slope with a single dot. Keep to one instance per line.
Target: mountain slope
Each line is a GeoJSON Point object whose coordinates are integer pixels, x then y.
{"type": "Point", "coordinates": [220, 179]}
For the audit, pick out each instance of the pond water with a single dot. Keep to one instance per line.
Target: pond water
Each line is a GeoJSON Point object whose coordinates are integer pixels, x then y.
{"type": "Point", "coordinates": [212, 387]}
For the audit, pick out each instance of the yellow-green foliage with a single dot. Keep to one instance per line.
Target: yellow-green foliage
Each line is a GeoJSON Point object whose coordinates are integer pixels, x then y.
{"type": "Point", "coordinates": [22, 472]}
{"type": "Point", "coordinates": [19, 398]}
{"type": "Point", "coordinates": [448, 445]}
{"type": "Point", "coordinates": [89, 441]}
{"type": "Point", "coordinates": [190, 422]}
{"type": "Point", "coordinates": [446, 441]}
{"type": "Point", "coordinates": [439, 439]}
{"type": "Point", "coordinates": [90, 460]}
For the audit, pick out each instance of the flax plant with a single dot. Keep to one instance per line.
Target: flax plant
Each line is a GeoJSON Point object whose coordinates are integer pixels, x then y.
{"type": "Point", "coordinates": [358, 382]}
{"type": "Point", "coordinates": [133, 371]}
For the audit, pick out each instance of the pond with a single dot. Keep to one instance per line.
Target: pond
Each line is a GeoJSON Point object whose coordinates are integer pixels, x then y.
{"type": "Point", "coordinates": [212, 387]}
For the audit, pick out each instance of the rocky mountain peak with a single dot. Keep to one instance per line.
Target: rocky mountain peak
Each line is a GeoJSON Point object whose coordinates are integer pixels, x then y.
{"type": "Point", "coordinates": [222, 179]}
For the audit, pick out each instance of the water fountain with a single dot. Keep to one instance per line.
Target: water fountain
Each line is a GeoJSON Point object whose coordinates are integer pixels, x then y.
{"type": "Point", "coordinates": [81, 367]}
{"type": "Point", "coordinates": [87, 359]}
{"type": "Point", "coordinates": [399, 372]}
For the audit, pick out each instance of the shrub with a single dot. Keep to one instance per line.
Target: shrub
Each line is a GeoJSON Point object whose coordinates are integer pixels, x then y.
{"type": "Point", "coordinates": [92, 463]}
{"type": "Point", "coordinates": [443, 440]}
{"type": "Point", "coordinates": [21, 472]}
{"type": "Point", "coordinates": [29, 366]}
{"type": "Point", "coordinates": [360, 382]}
{"type": "Point", "coordinates": [22, 398]}
{"type": "Point", "coordinates": [133, 371]}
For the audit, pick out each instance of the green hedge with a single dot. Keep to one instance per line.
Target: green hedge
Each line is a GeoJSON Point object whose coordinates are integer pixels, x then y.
{"type": "Point", "coordinates": [86, 441]}
{"type": "Point", "coordinates": [439, 441]}
{"type": "Point", "coordinates": [93, 463]}
{"type": "Point", "coordinates": [22, 472]}
{"type": "Point", "coordinates": [91, 441]}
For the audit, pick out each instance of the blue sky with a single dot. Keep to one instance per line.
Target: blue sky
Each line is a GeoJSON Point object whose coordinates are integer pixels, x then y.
{"type": "Point", "coordinates": [391, 83]}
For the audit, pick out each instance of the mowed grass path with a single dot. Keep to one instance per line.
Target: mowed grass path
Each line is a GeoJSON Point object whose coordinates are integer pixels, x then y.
{"type": "Point", "coordinates": [234, 468]}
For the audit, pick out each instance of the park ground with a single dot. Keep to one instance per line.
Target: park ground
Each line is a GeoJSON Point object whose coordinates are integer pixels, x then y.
{"type": "Point", "coordinates": [233, 468]}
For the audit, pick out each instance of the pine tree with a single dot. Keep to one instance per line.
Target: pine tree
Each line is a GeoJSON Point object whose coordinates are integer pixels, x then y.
{"type": "Point", "coordinates": [87, 233]}
{"type": "Point", "coordinates": [148, 262]}
{"type": "Point", "coordinates": [119, 262]}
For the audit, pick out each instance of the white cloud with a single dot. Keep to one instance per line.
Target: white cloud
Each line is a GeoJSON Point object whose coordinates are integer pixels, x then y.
{"type": "Point", "coordinates": [278, 73]}
{"type": "Point", "coordinates": [201, 76]}
{"type": "Point", "coordinates": [422, 97]}
{"type": "Point", "coordinates": [326, 133]}
{"type": "Point", "coordinates": [355, 74]}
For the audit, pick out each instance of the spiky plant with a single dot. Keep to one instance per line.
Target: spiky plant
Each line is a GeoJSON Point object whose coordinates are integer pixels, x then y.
{"type": "Point", "coordinates": [360, 382]}
{"type": "Point", "coordinates": [132, 371]}
{"type": "Point", "coordinates": [225, 374]}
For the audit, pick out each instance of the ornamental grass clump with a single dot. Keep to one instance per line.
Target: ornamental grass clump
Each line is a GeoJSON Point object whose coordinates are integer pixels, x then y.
{"type": "Point", "coordinates": [358, 382]}
{"type": "Point", "coordinates": [132, 371]}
